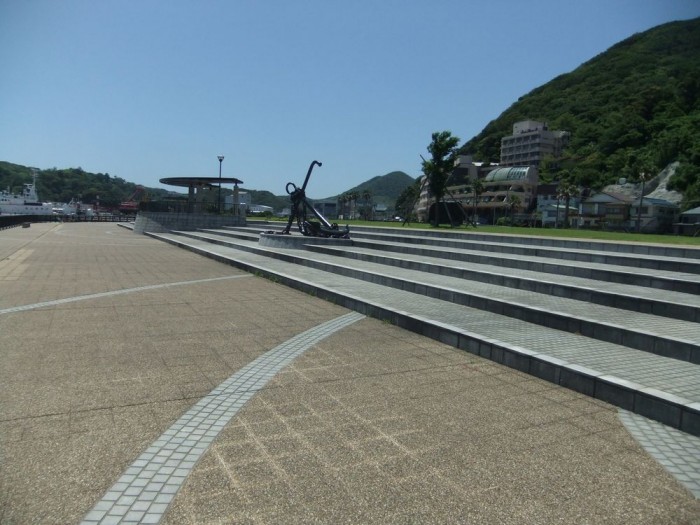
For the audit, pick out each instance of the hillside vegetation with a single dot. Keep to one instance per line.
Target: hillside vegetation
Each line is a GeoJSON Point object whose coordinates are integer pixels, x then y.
{"type": "Point", "coordinates": [633, 108]}
{"type": "Point", "coordinates": [384, 188]}
{"type": "Point", "coordinates": [63, 185]}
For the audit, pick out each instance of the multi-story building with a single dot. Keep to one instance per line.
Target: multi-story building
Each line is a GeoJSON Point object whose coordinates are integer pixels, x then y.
{"type": "Point", "coordinates": [507, 190]}
{"type": "Point", "coordinates": [530, 142]}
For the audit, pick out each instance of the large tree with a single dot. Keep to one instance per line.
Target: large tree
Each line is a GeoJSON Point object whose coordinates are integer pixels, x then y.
{"type": "Point", "coordinates": [565, 191]}
{"type": "Point", "coordinates": [406, 201]}
{"type": "Point", "coordinates": [437, 169]}
{"type": "Point", "coordinates": [477, 190]}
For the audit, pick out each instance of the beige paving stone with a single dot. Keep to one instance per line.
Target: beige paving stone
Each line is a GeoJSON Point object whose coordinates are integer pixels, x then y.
{"type": "Point", "coordinates": [373, 425]}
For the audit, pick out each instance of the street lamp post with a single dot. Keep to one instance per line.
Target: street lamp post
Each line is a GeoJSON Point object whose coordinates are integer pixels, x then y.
{"type": "Point", "coordinates": [221, 159]}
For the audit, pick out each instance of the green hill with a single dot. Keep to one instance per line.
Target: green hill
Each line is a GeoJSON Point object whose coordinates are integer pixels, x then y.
{"type": "Point", "coordinates": [267, 198]}
{"type": "Point", "coordinates": [384, 189]}
{"type": "Point", "coordinates": [634, 107]}
{"type": "Point", "coordinates": [62, 185]}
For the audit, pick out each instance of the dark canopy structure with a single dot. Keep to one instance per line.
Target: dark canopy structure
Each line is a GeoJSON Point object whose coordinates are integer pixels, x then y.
{"type": "Point", "coordinates": [199, 182]}
{"type": "Point", "coordinates": [191, 182]}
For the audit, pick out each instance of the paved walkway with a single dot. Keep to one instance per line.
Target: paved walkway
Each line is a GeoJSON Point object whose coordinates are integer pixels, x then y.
{"type": "Point", "coordinates": [116, 346]}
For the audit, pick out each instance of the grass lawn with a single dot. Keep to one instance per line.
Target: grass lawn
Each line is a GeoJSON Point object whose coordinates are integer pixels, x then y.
{"type": "Point", "coordinates": [570, 233]}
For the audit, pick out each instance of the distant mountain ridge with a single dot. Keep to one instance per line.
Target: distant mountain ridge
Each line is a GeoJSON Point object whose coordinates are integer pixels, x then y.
{"type": "Point", "coordinates": [384, 189]}
{"type": "Point", "coordinates": [61, 185]}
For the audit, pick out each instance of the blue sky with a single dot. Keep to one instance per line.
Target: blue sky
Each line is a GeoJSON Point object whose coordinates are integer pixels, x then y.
{"type": "Point", "coordinates": [145, 89]}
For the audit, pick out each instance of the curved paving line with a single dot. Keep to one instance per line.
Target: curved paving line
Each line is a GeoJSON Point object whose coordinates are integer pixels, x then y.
{"type": "Point", "coordinates": [678, 452]}
{"type": "Point", "coordinates": [143, 493]}
{"type": "Point", "coordinates": [114, 292]}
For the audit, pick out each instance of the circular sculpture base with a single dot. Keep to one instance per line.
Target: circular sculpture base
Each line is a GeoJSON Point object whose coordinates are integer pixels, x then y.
{"type": "Point", "coordinates": [298, 242]}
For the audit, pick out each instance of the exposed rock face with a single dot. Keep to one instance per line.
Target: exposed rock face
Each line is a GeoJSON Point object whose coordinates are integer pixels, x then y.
{"type": "Point", "coordinates": [661, 192]}
{"type": "Point", "coordinates": [654, 188]}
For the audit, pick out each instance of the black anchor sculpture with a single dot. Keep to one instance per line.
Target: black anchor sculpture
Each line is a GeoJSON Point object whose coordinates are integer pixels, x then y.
{"type": "Point", "coordinates": [301, 208]}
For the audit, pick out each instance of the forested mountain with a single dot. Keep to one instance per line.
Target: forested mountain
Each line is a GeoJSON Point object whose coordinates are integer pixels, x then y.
{"type": "Point", "coordinates": [634, 107]}
{"type": "Point", "coordinates": [267, 198]}
{"type": "Point", "coordinates": [384, 189]}
{"type": "Point", "coordinates": [62, 185]}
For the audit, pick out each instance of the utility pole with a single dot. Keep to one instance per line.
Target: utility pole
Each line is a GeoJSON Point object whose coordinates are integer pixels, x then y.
{"type": "Point", "coordinates": [643, 178]}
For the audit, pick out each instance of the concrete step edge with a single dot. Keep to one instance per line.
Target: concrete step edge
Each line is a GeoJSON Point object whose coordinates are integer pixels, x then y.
{"type": "Point", "coordinates": [654, 404]}
{"type": "Point", "coordinates": [603, 331]}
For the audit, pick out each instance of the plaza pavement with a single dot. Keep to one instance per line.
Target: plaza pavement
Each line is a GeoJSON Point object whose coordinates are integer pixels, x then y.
{"type": "Point", "coordinates": [114, 344]}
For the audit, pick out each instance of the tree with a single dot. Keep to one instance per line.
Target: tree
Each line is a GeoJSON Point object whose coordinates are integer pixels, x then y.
{"type": "Point", "coordinates": [352, 199]}
{"type": "Point", "coordinates": [407, 199]}
{"type": "Point", "coordinates": [443, 150]}
{"type": "Point", "coordinates": [565, 191]}
{"type": "Point", "coordinates": [686, 179]}
{"type": "Point", "coordinates": [477, 190]}
{"type": "Point", "coordinates": [342, 199]}
{"type": "Point", "coordinates": [513, 201]}
{"type": "Point", "coordinates": [367, 204]}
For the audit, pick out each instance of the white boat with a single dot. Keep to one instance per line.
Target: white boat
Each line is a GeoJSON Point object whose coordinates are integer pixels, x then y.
{"type": "Point", "coordinates": [73, 208]}
{"type": "Point", "coordinates": [25, 203]}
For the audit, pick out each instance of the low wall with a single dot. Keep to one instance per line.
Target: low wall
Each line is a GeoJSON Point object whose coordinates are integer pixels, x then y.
{"type": "Point", "coordinates": [10, 221]}
{"type": "Point", "coordinates": [147, 221]}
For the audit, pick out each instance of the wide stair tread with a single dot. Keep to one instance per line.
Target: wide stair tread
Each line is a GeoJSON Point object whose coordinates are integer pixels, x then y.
{"type": "Point", "coordinates": [664, 335]}
{"type": "Point", "coordinates": [649, 375]}
{"type": "Point", "coordinates": [527, 279]}
{"type": "Point", "coordinates": [674, 280]}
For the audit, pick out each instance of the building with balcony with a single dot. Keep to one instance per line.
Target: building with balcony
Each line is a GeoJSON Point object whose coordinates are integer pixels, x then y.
{"type": "Point", "coordinates": [606, 210]}
{"type": "Point", "coordinates": [530, 143]}
{"type": "Point", "coordinates": [508, 190]}
{"type": "Point", "coordinates": [614, 211]}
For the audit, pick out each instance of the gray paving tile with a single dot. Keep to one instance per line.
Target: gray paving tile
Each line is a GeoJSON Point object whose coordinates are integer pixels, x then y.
{"type": "Point", "coordinates": [151, 476]}
{"type": "Point", "coordinates": [606, 358]}
{"type": "Point", "coordinates": [677, 451]}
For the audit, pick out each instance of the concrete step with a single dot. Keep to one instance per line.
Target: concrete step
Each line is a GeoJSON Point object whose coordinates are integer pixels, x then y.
{"type": "Point", "coordinates": [686, 283]}
{"type": "Point", "coordinates": [656, 250]}
{"type": "Point", "coordinates": [675, 305]}
{"type": "Point", "coordinates": [655, 262]}
{"type": "Point", "coordinates": [668, 337]}
{"type": "Point", "coordinates": [680, 251]}
{"type": "Point", "coordinates": [659, 387]}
